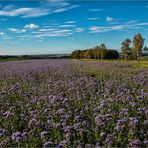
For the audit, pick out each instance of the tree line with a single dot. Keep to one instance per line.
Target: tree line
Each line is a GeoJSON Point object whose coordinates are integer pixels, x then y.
{"type": "Point", "coordinates": [128, 51]}
{"type": "Point", "coordinates": [98, 52]}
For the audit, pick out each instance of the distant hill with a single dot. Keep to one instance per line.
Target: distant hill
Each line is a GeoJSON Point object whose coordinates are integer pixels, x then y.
{"type": "Point", "coordinates": [41, 56]}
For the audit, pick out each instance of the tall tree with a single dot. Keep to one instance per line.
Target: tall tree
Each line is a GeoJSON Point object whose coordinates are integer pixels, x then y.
{"type": "Point", "coordinates": [82, 54]}
{"type": "Point", "coordinates": [112, 54]}
{"type": "Point", "coordinates": [76, 54]}
{"type": "Point", "coordinates": [103, 46]}
{"type": "Point", "coordinates": [126, 50]}
{"type": "Point", "coordinates": [99, 51]}
{"type": "Point", "coordinates": [138, 42]}
{"type": "Point", "coordinates": [88, 54]}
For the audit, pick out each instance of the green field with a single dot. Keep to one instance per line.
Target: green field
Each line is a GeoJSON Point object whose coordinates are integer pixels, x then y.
{"type": "Point", "coordinates": [142, 63]}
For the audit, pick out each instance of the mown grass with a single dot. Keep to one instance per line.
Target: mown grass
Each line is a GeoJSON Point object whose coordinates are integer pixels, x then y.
{"type": "Point", "coordinates": [139, 64]}
{"type": "Point", "coordinates": [10, 59]}
{"type": "Point", "coordinates": [131, 64]}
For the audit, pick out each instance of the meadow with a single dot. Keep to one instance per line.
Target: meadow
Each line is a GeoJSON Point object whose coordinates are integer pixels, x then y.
{"type": "Point", "coordinates": [73, 103]}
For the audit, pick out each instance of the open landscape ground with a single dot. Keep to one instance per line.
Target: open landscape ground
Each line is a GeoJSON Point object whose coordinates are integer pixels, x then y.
{"type": "Point", "coordinates": [73, 103]}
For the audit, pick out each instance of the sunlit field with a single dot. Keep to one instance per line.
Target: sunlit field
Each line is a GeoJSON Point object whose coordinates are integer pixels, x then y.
{"type": "Point", "coordinates": [73, 103]}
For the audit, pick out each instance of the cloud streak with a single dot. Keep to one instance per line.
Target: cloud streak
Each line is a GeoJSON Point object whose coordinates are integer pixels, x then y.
{"type": "Point", "coordinates": [52, 32]}
{"type": "Point", "coordinates": [79, 29]}
{"type": "Point", "coordinates": [93, 18]}
{"type": "Point", "coordinates": [47, 8]}
{"type": "Point", "coordinates": [67, 25]}
{"type": "Point", "coordinates": [56, 32]}
{"type": "Point", "coordinates": [99, 29]}
{"type": "Point", "coordinates": [31, 26]}
{"type": "Point", "coordinates": [15, 30]}
{"type": "Point", "coordinates": [96, 10]}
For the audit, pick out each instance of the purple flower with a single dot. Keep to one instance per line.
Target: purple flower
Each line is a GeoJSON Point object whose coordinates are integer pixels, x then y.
{"type": "Point", "coordinates": [108, 140]}
{"type": "Point", "coordinates": [43, 134]}
{"type": "Point", "coordinates": [88, 146]}
{"type": "Point", "coordinates": [77, 118]}
{"type": "Point", "coordinates": [97, 145]}
{"type": "Point", "coordinates": [133, 104]}
{"type": "Point", "coordinates": [16, 136]}
{"type": "Point", "coordinates": [118, 128]}
{"type": "Point", "coordinates": [48, 144]}
{"type": "Point", "coordinates": [123, 113]}
{"type": "Point", "coordinates": [7, 114]}
{"type": "Point", "coordinates": [64, 142]}
{"type": "Point", "coordinates": [122, 121]}
{"type": "Point", "coordinates": [59, 146]}
{"type": "Point", "coordinates": [135, 143]}
{"type": "Point", "coordinates": [24, 134]}
{"type": "Point", "coordinates": [80, 146]}
{"type": "Point", "coordinates": [121, 124]}
{"type": "Point", "coordinates": [2, 132]}
{"type": "Point", "coordinates": [99, 119]}
{"type": "Point", "coordinates": [145, 142]}
{"type": "Point", "coordinates": [133, 121]}
{"type": "Point", "coordinates": [49, 121]}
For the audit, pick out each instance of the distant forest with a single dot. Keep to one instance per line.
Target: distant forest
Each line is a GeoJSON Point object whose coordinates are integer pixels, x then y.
{"type": "Point", "coordinates": [128, 51]}
{"type": "Point", "coordinates": [46, 56]}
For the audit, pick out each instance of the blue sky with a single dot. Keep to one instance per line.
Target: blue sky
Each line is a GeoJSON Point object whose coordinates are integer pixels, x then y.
{"type": "Point", "coordinates": [56, 26]}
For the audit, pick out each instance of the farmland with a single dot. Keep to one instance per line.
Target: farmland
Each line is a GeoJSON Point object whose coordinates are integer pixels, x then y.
{"type": "Point", "coordinates": [79, 103]}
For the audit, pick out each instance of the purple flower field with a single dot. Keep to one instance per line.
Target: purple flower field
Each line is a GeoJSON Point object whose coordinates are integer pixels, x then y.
{"type": "Point", "coordinates": [64, 103]}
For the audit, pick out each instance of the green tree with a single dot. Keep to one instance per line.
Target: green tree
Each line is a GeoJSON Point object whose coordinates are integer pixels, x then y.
{"type": "Point", "coordinates": [76, 54]}
{"type": "Point", "coordinates": [82, 54]}
{"type": "Point", "coordinates": [87, 54]}
{"type": "Point", "coordinates": [90, 54]}
{"type": "Point", "coordinates": [126, 50]}
{"type": "Point", "coordinates": [96, 52]}
{"type": "Point", "coordinates": [99, 51]}
{"type": "Point", "coordinates": [112, 54]}
{"type": "Point", "coordinates": [138, 42]}
{"type": "Point", "coordinates": [103, 46]}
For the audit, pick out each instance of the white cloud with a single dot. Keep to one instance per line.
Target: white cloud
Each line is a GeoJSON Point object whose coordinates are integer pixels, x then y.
{"type": "Point", "coordinates": [65, 9]}
{"type": "Point", "coordinates": [99, 29]}
{"type": "Point", "coordinates": [15, 12]}
{"type": "Point", "coordinates": [67, 25]}
{"type": "Point", "coordinates": [1, 33]}
{"type": "Point", "coordinates": [15, 30]}
{"type": "Point", "coordinates": [31, 26]}
{"type": "Point", "coordinates": [93, 18]}
{"type": "Point", "coordinates": [70, 22]}
{"type": "Point", "coordinates": [23, 30]}
{"type": "Point", "coordinates": [96, 10]}
{"type": "Point", "coordinates": [109, 19]}
{"type": "Point", "coordinates": [142, 24]}
{"type": "Point", "coordinates": [54, 33]}
{"type": "Point", "coordinates": [132, 22]}
{"type": "Point", "coordinates": [79, 29]}
{"type": "Point", "coordinates": [46, 29]}
{"type": "Point", "coordinates": [46, 8]}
